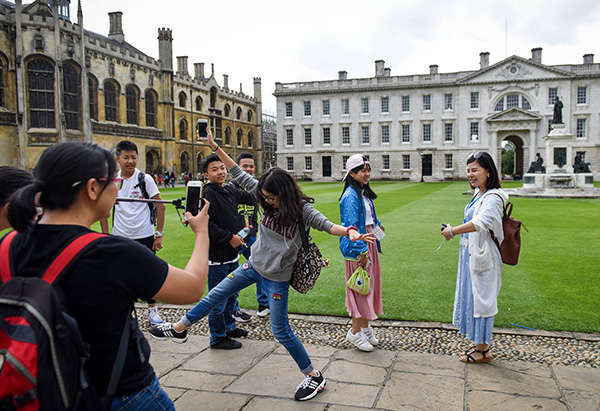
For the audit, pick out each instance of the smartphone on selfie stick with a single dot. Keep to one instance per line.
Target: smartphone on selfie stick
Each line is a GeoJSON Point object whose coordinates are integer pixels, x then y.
{"type": "Point", "coordinates": [193, 197]}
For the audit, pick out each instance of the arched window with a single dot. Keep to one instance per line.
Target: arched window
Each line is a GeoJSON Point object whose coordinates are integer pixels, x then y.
{"type": "Point", "coordinates": [131, 97]}
{"type": "Point", "coordinates": [199, 158]}
{"type": "Point", "coordinates": [150, 108]}
{"type": "Point", "coordinates": [1, 83]}
{"type": "Point", "coordinates": [40, 76]}
{"type": "Point", "coordinates": [198, 103]}
{"type": "Point", "coordinates": [250, 139]}
{"type": "Point", "coordinates": [93, 96]}
{"type": "Point", "coordinates": [71, 95]}
{"type": "Point", "coordinates": [238, 113]}
{"type": "Point", "coordinates": [239, 137]}
{"type": "Point", "coordinates": [213, 97]}
{"type": "Point", "coordinates": [249, 116]}
{"type": "Point", "coordinates": [227, 136]}
{"type": "Point", "coordinates": [512, 100]}
{"type": "Point", "coordinates": [111, 92]}
{"type": "Point", "coordinates": [182, 99]}
{"type": "Point", "coordinates": [185, 159]}
{"type": "Point", "coordinates": [227, 110]}
{"type": "Point", "coordinates": [183, 129]}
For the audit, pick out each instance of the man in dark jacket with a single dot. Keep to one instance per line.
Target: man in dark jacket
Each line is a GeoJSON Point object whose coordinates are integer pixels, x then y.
{"type": "Point", "coordinates": [225, 242]}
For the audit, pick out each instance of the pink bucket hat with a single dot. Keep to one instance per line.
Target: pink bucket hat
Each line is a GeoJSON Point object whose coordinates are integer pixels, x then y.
{"type": "Point", "coordinates": [354, 161]}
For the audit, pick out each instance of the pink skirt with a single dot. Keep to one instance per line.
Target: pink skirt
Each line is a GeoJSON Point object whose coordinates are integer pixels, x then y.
{"type": "Point", "coordinates": [370, 305]}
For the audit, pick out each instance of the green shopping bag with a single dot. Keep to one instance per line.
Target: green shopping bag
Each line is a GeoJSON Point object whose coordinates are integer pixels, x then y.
{"type": "Point", "coordinates": [360, 281]}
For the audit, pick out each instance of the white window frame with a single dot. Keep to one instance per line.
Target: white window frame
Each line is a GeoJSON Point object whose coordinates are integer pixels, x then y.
{"type": "Point", "coordinates": [345, 138]}
{"type": "Point", "coordinates": [364, 105]}
{"type": "Point", "coordinates": [345, 107]}
{"type": "Point", "coordinates": [474, 131]}
{"type": "Point", "coordinates": [385, 158]}
{"type": "Point", "coordinates": [448, 101]}
{"type": "Point", "coordinates": [308, 163]}
{"type": "Point", "coordinates": [405, 133]}
{"type": "Point", "coordinates": [405, 107]}
{"type": "Point", "coordinates": [581, 128]}
{"type": "Point", "coordinates": [289, 163]}
{"type": "Point", "coordinates": [474, 100]}
{"type": "Point", "coordinates": [326, 108]}
{"type": "Point", "coordinates": [448, 162]}
{"type": "Point", "coordinates": [307, 108]}
{"type": "Point", "coordinates": [426, 102]}
{"type": "Point", "coordinates": [385, 104]}
{"type": "Point", "coordinates": [308, 136]}
{"type": "Point", "coordinates": [450, 127]}
{"type": "Point", "coordinates": [385, 134]}
{"type": "Point", "coordinates": [582, 95]}
{"type": "Point", "coordinates": [344, 160]}
{"type": "Point", "coordinates": [289, 110]}
{"type": "Point", "coordinates": [365, 135]}
{"type": "Point", "coordinates": [552, 94]}
{"type": "Point", "coordinates": [405, 161]}
{"type": "Point", "coordinates": [326, 136]}
{"type": "Point", "coordinates": [289, 137]}
{"type": "Point", "coordinates": [430, 132]}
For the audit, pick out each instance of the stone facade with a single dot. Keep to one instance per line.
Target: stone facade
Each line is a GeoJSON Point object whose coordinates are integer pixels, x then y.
{"type": "Point", "coordinates": [44, 61]}
{"type": "Point", "coordinates": [415, 126]}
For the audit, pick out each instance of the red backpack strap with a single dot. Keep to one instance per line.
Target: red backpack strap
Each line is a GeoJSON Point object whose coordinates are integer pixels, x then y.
{"type": "Point", "coordinates": [5, 271]}
{"type": "Point", "coordinates": [67, 255]}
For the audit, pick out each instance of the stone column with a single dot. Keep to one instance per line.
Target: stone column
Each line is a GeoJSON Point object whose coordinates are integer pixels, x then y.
{"type": "Point", "coordinates": [532, 148]}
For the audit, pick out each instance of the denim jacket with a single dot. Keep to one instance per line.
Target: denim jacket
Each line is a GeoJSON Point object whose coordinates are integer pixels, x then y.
{"type": "Point", "coordinates": [352, 212]}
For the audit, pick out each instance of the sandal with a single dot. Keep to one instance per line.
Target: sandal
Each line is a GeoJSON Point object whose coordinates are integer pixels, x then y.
{"type": "Point", "coordinates": [470, 360]}
{"type": "Point", "coordinates": [468, 349]}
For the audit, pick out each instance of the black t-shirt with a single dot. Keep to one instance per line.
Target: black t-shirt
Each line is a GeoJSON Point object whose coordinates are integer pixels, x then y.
{"type": "Point", "coordinates": [98, 290]}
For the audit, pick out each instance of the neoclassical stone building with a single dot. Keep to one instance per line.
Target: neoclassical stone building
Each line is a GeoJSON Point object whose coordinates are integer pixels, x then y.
{"type": "Point", "coordinates": [60, 82]}
{"type": "Point", "coordinates": [426, 125]}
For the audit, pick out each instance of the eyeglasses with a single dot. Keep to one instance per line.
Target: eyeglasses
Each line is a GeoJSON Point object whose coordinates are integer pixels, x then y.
{"type": "Point", "coordinates": [269, 200]}
{"type": "Point", "coordinates": [118, 181]}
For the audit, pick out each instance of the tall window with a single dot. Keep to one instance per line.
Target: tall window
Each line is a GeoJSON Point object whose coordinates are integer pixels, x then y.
{"type": "Point", "coordinates": [227, 136]}
{"type": "Point", "coordinates": [182, 100]}
{"type": "Point", "coordinates": [1, 84]}
{"type": "Point", "coordinates": [307, 108]}
{"type": "Point", "coordinates": [184, 158]}
{"type": "Point", "coordinates": [474, 131]}
{"type": "Point", "coordinates": [307, 136]}
{"type": "Point", "coordinates": [427, 132]}
{"type": "Point", "coordinates": [239, 137]}
{"type": "Point", "coordinates": [448, 132]}
{"type": "Point", "coordinates": [552, 94]}
{"type": "Point", "coordinates": [238, 113]}
{"type": "Point", "coordinates": [199, 105]}
{"type": "Point", "coordinates": [290, 163]}
{"type": "Point", "coordinates": [183, 129]}
{"type": "Point", "coordinates": [71, 96]}
{"type": "Point", "coordinates": [581, 126]}
{"type": "Point", "coordinates": [40, 74]}
{"type": "Point", "coordinates": [110, 101]}
{"type": "Point", "coordinates": [345, 135]}
{"type": "Point", "coordinates": [131, 97]}
{"type": "Point", "coordinates": [326, 135]}
{"type": "Point", "coordinates": [344, 160]}
{"type": "Point", "coordinates": [385, 162]}
{"type": "Point", "coordinates": [289, 137]}
{"type": "Point", "coordinates": [250, 116]}
{"type": "Point", "coordinates": [345, 106]}
{"type": "Point", "coordinates": [475, 99]}
{"type": "Point", "coordinates": [364, 105]}
{"type": "Point", "coordinates": [427, 102]}
{"type": "Point", "coordinates": [385, 104]}
{"type": "Point", "coordinates": [150, 108]}
{"type": "Point", "coordinates": [308, 163]}
{"type": "Point", "coordinates": [365, 135]}
{"type": "Point", "coordinates": [250, 139]}
{"type": "Point", "coordinates": [448, 101]}
{"type": "Point", "coordinates": [227, 111]}
{"type": "Point", "coordinates": [326, 110]}
{"type": "Point", "coordinates": [405, 104]}
{"type": "Point", "coordinates": [512, 100]}
{"type": "Point", "coordinates": [406, 161]}
{"type": "Point", "coordinates": [448, 161]}
{"type": "Point", "coordinates": [406, 133]}
{"type": "Point", "coordinates": [288, 110]}
{"type": "Point", "coordinates": [93, 96]}
{"type": "Point", "coordinates": [385, 134]}
{"type": "Point", "coordinates": [581, 95]}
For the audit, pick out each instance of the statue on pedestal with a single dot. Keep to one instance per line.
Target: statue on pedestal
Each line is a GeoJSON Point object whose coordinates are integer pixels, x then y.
{"type": "Point", "coordinates": [580, 165]}
{"type": "Point", "coordinates": [558, 106]}
{"type": "Point", "coordinates": [536, 166]}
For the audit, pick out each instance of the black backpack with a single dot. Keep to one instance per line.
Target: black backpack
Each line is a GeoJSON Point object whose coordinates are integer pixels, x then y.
{"type": "Point", "coordinates": [42, 354]}
{"type": "Point", "coordinates": [142, 185]}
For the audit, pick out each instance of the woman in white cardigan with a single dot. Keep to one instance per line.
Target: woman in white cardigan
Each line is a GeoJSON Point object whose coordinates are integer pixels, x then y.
{"type": "Point", "coordinates": [479, 263]}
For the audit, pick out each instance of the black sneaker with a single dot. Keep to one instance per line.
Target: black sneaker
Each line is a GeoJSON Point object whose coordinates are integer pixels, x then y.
{"type": "Point", "coordinates": [166, 330]}
{"type": "Point", "coordinates": [227, 344]}
{"type": "Point", "coordinates": [237, 333]}
{"type": "Point", "coordinates": [241, 316]}
{"type": "Point", "coordinates": [309, 387]}
{"type": "Point", "coordinates": [263, 311]}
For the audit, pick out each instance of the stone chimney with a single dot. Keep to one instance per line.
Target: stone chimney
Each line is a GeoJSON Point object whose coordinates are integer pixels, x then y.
{"type": "Point", "coordinates": [182, 65]}
{"type": "Point", "coordinates": [387, 72]}
{"type": "Point", "coordinates": [536, 55]}
{"type": "Point", "coordinates": [116, 26]}
{"type": "Point", "coordinates": [484, 60]}
{"type": "Point", "coordinates": [342, 75]}
{"type": "Point", "coordinates": [198, 71]}
{"type": "Point", "coordinates": [226, 81]}
{"type": "Point", "coordinates": [433, 69]}
{"type": "Point", "coordinates": [258, 89]}
{"type": "Point", "coordinates": [588, 59]}
{"type": "Point", "coordinates": [379, 67]}
{"type": "Point", "coordinates": [165, 49]}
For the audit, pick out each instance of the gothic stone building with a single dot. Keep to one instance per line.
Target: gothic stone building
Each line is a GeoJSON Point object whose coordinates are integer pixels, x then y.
{"type": "Point", "coordinates": [426, 125]}
{"type": "Point", "coordinates": [60, 82]}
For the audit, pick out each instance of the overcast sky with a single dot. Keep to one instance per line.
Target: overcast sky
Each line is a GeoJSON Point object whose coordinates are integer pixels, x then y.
{"type": "Point", "coordinates": [282, 41]}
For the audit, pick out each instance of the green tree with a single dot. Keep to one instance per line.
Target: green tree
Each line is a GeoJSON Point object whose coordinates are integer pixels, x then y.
{"type": "Point", "coordinates": [508, 159]}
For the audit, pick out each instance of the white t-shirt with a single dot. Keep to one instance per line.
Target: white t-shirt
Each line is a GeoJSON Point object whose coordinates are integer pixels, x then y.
{"type": "Point", "coordinates": [132, 220]}
{"type": "Point", "coordinates": [368, 212]}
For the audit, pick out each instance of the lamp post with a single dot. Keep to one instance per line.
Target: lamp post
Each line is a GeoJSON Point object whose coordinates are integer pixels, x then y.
{"type": "Point", "coordinates": [422, 165]}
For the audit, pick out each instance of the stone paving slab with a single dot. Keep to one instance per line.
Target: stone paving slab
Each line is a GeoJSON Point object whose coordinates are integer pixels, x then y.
{"type": "Point", "coordinates": [211, 401]}
{"type": "Point", "coordinates": [496, 401]}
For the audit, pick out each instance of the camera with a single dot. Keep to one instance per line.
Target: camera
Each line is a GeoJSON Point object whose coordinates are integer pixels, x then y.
{"type": "Point", "coordinates": [444, 226]}
{"type": "Point", "coordinates": [193, 197]}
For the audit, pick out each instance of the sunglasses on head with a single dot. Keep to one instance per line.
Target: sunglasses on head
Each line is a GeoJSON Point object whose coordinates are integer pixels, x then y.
{"type": "Point", "coordinates": [476, 155]}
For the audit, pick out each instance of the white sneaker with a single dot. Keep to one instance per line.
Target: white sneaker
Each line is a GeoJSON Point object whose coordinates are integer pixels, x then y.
{"type": "Point", "coordinates": [369, 335]}
{"type": "Point", "coordinates": [359, 340]}
{"type": "Point", "coordinates": [153, 317]}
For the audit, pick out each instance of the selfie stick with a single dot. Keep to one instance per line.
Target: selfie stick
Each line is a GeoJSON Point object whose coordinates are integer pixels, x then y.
{"type": "Point", "coordinates": [176, 202]}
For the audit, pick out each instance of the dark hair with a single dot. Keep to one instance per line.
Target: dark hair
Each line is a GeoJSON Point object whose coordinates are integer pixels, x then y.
{"type": "Point", "coordinates": [350, 181]}
{"type": "Point", "coordinates": [487, 162]}
{"type": "Point", "coordinates": [125, 146]}
{"type": "Point", "coordinates": [244, 155]}
{"type": "Point", "coordinates": [60, 174]}
{"type": "Point", "coordinates": [291, 198]}
{"type": "Point", "coordinates": [12, 179]}
{"type": "Point", "coordinates": [210, 159]}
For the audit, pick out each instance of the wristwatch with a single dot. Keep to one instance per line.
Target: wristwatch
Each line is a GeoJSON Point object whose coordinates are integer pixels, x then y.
{"type": "Point", "coordinates": [158, 233]}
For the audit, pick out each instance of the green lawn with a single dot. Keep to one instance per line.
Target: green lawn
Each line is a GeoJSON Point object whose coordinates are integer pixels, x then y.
{"type": "Point", "coordinates": [554, 287]}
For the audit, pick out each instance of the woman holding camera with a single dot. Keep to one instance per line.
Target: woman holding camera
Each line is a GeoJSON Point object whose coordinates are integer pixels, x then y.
{"type": "Point", "coordinates": [76, 185]}
{"type": "Point", "coordinates": [479, 262]}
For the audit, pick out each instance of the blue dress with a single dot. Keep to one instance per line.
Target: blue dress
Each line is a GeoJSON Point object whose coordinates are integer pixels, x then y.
{"type": "Point", "coordinates": [478, 330]}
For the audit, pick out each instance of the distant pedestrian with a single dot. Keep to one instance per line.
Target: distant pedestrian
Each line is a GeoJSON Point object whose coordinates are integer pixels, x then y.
{"type": "Point", "coordinates": [173, 179]}
{"type": "Point", "coordinates": [358, 210]}
{"type": "Point", "coordinates": [479, 261]}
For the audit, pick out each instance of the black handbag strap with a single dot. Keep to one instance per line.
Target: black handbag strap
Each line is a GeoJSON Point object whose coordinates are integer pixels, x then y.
{"type": "Point", "coordinates": [304, 236]}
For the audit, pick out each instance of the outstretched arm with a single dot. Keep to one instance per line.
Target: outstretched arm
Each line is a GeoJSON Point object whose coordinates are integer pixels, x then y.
{"type": "Point", "coordinates": [352, 233]}
{"type": "Point", "coordinates": [228, 161]}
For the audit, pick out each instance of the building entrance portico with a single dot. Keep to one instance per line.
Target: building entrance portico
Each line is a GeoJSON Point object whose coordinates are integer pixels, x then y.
{"type": "Point", "coordinates": [517, 142]}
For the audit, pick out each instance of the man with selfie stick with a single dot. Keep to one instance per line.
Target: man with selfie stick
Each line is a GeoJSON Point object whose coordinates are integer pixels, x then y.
{"type": "Point", "coordinates": [133, 219]}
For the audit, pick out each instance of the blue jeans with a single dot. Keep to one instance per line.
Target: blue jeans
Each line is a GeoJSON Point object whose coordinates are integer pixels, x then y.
{"type": "Point", "coordinates": [220, 320]}
{"type": "Point", "coordinates": [241, 278]}
{"type": "Point", "coordinates": [150, 398]}
{"type": "Point", "coordinates": [261, 295]}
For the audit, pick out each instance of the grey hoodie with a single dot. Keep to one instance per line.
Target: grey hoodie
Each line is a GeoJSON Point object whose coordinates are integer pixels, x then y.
{"type": "Point", "coordinates": [276, 248]}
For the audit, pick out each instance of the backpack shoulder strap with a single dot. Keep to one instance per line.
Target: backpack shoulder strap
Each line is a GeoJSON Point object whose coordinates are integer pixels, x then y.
{"type": "Point", "coordinates": [142, 184]}
{"type": "Point", "coordinates": [5, 261]}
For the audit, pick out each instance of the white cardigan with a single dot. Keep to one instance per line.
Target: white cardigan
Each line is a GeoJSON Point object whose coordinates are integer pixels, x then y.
{"type": "Point", "coordinates": [485, 262]}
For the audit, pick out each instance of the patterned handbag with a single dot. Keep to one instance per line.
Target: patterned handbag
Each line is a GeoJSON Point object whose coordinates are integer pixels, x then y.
{"type": "Point", "coordinates": [308, 264]}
